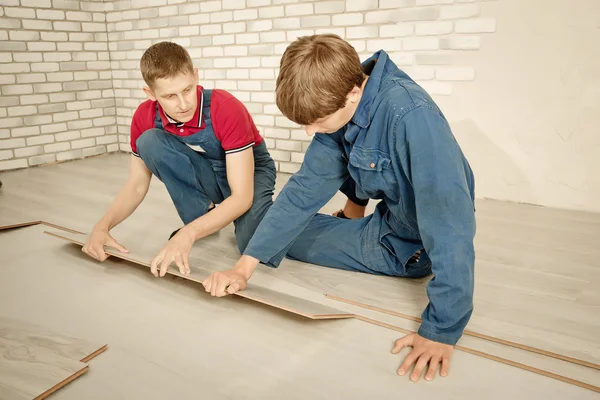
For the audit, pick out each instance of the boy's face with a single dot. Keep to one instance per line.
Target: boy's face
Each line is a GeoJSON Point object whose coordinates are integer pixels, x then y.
{"type": "Point", "coordinates": [176, 95]}
{"type": "Point", "coordinates": [334, 122]}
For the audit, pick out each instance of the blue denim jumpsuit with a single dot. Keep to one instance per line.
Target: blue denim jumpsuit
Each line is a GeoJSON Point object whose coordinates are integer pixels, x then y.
{"type": "Point", "coordinates": [398, 148]}
{"type": "Point", "coordinates": [195, 179]}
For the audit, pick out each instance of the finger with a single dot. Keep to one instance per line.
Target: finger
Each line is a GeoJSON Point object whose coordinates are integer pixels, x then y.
{"type": "Point", "coordinates": [445, 366]}
{"type": "Point", "coordinates": [421, 364]}
{"type": "Point", "coordinates": [92, 252]}
{"type": "Point", "coordinates": [154, 265]}
{"type": "Point", "coordinates": [208, 282]}
{"type": "Point", "coordinates": [186, 262]}
{"type": "Point", "coordinates": [113, 243]}
{"type": "Point", "coordinates": [180, 265]}
{"type": "Point", "coordinates": [234, 287]}
{"type": "Point", "coordinates": [164, 265]}
{"type": "Point", "coordinates": [408, 361]}
{"type": "Point", "coordinates": [221, 284]}
{"type": "Point", "coordinates": [401, 343]}
{"type": "Point", "coordinates": [433, 364]}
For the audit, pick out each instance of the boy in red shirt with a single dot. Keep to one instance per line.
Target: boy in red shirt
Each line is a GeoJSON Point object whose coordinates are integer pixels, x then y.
{"type": "Point", "coordinates": [203, 145]}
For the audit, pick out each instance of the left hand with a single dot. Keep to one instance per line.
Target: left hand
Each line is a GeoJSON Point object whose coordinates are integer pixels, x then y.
{"type": "Point", "coordinates": [424, 351]}
{"type": "Point", "coordinates": [176, 250]}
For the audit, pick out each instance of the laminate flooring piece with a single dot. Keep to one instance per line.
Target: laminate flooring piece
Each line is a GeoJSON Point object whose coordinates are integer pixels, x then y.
{"type": "Point", "coordinates": [263, 295]}
{"type": "Point", "coordinates": [170, 341]}
{"type": "Point", "coordinates": [35, 362]}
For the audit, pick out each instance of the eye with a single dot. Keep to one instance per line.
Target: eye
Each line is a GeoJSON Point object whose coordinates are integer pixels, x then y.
{"type": "Point", "coordinates": [188, 89]}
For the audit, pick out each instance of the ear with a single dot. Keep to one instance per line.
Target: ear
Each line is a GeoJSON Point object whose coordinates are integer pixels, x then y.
{"type": "Point", "coordinates": [196, 76]}
{"type": "Point", "coordinates": [149, 93]}
{"type": "Point", "coordinates": [354, 95]}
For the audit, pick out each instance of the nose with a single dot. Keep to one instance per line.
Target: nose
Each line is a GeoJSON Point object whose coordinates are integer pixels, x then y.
{"type": "Point", "coordinates": [183, 105]}
{"type": "Point", "coordinates": [311, 129]}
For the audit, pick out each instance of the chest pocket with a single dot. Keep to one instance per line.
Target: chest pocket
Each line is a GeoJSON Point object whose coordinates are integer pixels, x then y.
{"type": "Point", "coordinates": [372, 171]}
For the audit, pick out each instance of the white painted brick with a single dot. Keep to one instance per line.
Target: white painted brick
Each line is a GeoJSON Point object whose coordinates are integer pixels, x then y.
{"type": "Point", "coordinates": [51, 108]}
{"type": "Point", "coordinates": [51, 57]}
{"type": "Point", "coordinates": [26, 131]}
{"type": "Point", "coordinates": [79, 105]}
{"type": "Point", "coordinates": [268, 86]}
{"type": "Point", "coordinates": [247, 38]}
{"type": "Point", "coordinates": [23, 110]}
{"type": "Point", "coordinates": [19, 12]}
{"type": "Point", "coordinates": [384, 44]}
{"type": "Point", "coordinates": [223, 39]}
{"type": "Point", "coordinates": [249, 85]}
{"type": "Point", "coordinates": [41, 46]}
{"type": "Point", "coordinates": [29, 151]}
{"type": "Point", "coordinates": [17, 89]}
{"type": "Point", "coordinates": [258, 3]}
{"type": "Point", "coordinates": [455, 74]}
{"type": "Point", "coordinates": [50, 14]}
{"type": "Point", "coordinates": [210, 29]}
{"type": "Point", "coordinates": [124, 26]}
{"type": "Point", "coordinates": [437, 88]}
{"type": "Point", "coordinates": [402, 58]}
{"type": "Point", "coordinates": [60, 76]}
{"type": "Point", "coordinates": [300, 134]}
{"type": "Point", "coordinates": [106, 139]}
{"type": "Point", "coordinates": [459, 11]}
{"type": "Point", "coordinates": [481, 25]}
{"type": "Point", "coordinates": [69, 46]}
{"type": "Point", "coordinates": [94, 151]}
{"type": "Point", "coordinates": [34, 99]}
{"type": "Point", "coordinates": [167, 11]}
{"type": "Point", "coordinates": [69, 155]}
{"type": "Point", "coordinates": [13, 46]}
{"type": "Point", "coordinates": [132, 15]}
{"type": "Point", "coordinates": [189, 8]}
{"type": "Point", "coordinates": [113, 147]}
{"type": "Point", "coordinates": [432, 2]}
{"type": "Point", "coordinates": [43, 139]}
{"type": "Point", "coordinates": [362, 32]}
{"type": "Point", "coordinates": [47, 87]}
{"type": "Point", "coordinates": [55, 36]}
{"type": "Point", "coordinates": [234, 4]}
{"type": "Point", "coordinates": [237, 27]}
{"type": "Point", "coordinates": [361, 5]}
{"type": "Point", "coordinates": [330, 7]}
{"type": "Point", "coordinates": [28, 57]}
{"type": "Point", "coordinates": [65, 116]}
{"type": "Point", "coordinates": [270, 62]}
{"type": "Point", "coordinates": [260, 26]}
{"type": "Point", "coordinates": [104, 121]}
{"type": "Point", "coordinates": [67, 26]}
{"type": "Point", "coordinates": [460, 43]}
{"type": "Point", "coordinates": [13, 164]}
{"type": "Point", "coordinates": [277, 133]}
{"type": "Point", "coordinates": [89, 95]}
{"type": "Point", "coordinates": [382, 17]}
{"type": "Point", "coordinates": [97, 65]}
{"type": "Point", "coordinates": [264, 120]}
{"type": "Point", "coordinates": [270, 144]}
{"type": "Point", "coordinates": [4, 36]}
{"type": "Point", "coordinates": [99, 17]}
{"type": "Point", "coordinates": [285, 123]}
{"type": "Point", "coordinates": [396, 3]}
{"type": "Point", "coordinates": [93, 27]}
{"type": "Point", "coordinates": [78, 144]}
{"type": "Point", "coordinates": [279, 49]}
{"type": "Point", "coordinates": [271, 12]}
{"type": "Point", "coordinates": [419, 14]}
{"type": "Point", "coordinates": [65, 136]}
{"type": "Point", "coordinates": [297, 158]}
{"type": "Point", "coordinates": [433, 58]}
{"type": "Point", "coordinates": [299, 9]}
{"type": "Point", "coordinates": [245, 15]}
{"type": "Point", "coordinates": [12, 143]}
{"type": "Point", "coordinates": [6, 154]}
{"type": "Point", "coordinates": [24, 35]}
{"type": "Point", "coordinates": [396, 30]}
{"type": "Point", "coordinates": [4, 133]}
{"type": "Point", "coordinates": [238, 74]}
{"type": "Point", "coordinates": [263, 97]}
{"type": "Point", "coordinates": [69, 4]}
{"type": "Point", "coordinates": [79, 16]}
{"type": "Point", "coordinates": [289, 168]}
{"type": "Point", "coordinates": [279, 155]}
{"type": "Point", "coordinates": [7, 23]}
{"type": "Point", "coordinates": [293, 35]}
{"type": "Point", "coordinates": [289, 145]}
{"type": "Point", "coordinates": [36, 3]}
{"type": "Point", "coordinates": [85, 56]}
{"type": "Point", "coordinates": [236, 50]}
{"type": "Point", "coordinates": [286, 23]}
{"type": "Point", "coordinates": [199, 19]}
{"type": "Point", "coordinates": [420, 43]}
{"type": "Point", "coordinates": [42, 159]}
{"type": "Point", "coordinates": [56, 147]}
{"type": "Point", "coordinates": [223, 16]}
{"type": "Point", "coordinates": [92, 132]}
{"type": "Point", "coordinates": [189, 30]}
{"type": "Point", "coordinates": [38, 120]}
{"type": "Point", "coordinates": [45, 67]}
{"type": "Point", "coordinates": [420, 73]}
{"type": "Point", "coordinates": [212, 51]}
{"type": "Point", "coordinates": [272, 37]}
{"type": "Point", "coordinates": [6, 101]}
{"type": "Point", "coordinates": [250, 62]}
{"type": "Point", "coordinates": [15, 68]}
{"type": "Point", "coordinates": [434, 28]}
{"type": "Point", "coordinates": [315, 21]}
{"type": "Point", "coordinates": [210, 6]}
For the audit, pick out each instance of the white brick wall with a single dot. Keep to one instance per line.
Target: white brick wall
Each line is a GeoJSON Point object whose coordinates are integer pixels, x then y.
{"type": "Point", "coordinates": [46, 80]}
{"type": "Point", "coordinates": [69, 69]}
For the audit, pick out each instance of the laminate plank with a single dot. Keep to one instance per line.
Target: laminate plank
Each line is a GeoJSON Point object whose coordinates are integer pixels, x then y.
{"type": "Point", "coordinates": [263, 295]}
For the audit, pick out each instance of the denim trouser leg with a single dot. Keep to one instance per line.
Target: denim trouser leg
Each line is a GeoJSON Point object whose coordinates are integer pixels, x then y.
{"type": "Point", "coordinates": [364, 244]}
{"type": "Point", "coordinates": [264, 185]}
{"type": "Point", "coordinates": [188, 176]}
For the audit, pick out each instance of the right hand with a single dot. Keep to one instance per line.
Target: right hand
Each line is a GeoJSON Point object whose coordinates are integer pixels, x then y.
{"type": "Point", "coordinates": [96, 242]}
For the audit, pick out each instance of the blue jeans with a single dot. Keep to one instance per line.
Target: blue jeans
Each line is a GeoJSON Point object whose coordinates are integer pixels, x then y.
{"type": "Point", "coordinates": [194, 181]}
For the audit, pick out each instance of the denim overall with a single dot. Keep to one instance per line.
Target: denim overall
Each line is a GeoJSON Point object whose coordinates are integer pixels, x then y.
{"type": "Point", "coordinates": [194, 179]}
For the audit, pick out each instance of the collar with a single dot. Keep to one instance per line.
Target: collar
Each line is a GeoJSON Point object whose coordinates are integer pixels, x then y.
{"type": "Point", "coordinates": [362, 115]}
{"type": "Point", "coordinates": [195, 122]}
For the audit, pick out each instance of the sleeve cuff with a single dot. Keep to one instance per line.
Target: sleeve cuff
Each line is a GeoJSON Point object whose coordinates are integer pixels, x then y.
{"type": "Point", "coordinates": [272, 262]}
{"type": "Point", "coordinates": [436, 337]}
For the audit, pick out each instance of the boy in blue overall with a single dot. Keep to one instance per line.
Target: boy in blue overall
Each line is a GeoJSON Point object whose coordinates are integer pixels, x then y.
{"type": "Point", "coordinates": [378, 135]}
{"type": "Point", "coordinates": [203, 145]}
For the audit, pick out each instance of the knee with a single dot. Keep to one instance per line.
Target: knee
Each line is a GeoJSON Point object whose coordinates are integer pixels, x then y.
{"type": "Point", "coordinates": [150, 142]}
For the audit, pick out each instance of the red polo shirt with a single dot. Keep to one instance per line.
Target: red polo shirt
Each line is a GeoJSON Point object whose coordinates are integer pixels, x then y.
{"type": "Point", "coordinates": [231, 121]}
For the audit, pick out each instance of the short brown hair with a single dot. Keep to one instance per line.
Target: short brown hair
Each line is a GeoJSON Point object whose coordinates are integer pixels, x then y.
{"type": "Point", "coordinates": [165, 60]}
{"type": "Point", "coordinates": [316, 74]}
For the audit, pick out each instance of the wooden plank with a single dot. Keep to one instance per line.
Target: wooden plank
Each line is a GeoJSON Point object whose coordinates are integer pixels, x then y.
{"type": "Point", "coordinates": [259, 294]}
{"type": "Point", "coordinates": [5, 224]}
{"type": "Point", "coordinates": [35, 362]}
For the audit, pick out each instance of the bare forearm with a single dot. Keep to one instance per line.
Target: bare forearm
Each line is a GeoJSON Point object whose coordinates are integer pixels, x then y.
{"type": "Point", "coordinates": [126, 202]}
{"type": "Point", "coordinates": [229, 210]}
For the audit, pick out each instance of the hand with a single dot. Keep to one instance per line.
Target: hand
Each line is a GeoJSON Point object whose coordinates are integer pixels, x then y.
{"type": "Point", "coordinates": [424, 351]}
{"type": "Point", "coordinates": [176, 250]}
{"type": "Point", "coordinates": [96, 242]}
{"type": "Point", "coordinates": [226, 282]}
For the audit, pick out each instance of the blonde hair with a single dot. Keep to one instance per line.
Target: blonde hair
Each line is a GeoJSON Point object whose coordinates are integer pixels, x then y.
{"type": "Point", "coordinates": [165, 60]}
{"type": "Point", "coordinates": [316, 74]}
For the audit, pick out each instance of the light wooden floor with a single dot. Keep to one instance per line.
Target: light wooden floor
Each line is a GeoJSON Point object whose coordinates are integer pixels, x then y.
{"type": "Point", "coordinates": [537, 280]}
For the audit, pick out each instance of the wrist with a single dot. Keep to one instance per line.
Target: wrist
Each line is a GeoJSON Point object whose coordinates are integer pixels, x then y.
{"type": "Point", "coordinates": [246, 266]}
